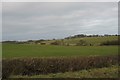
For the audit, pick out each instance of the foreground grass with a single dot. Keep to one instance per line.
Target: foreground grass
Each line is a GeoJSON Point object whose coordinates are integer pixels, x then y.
{"type": "Point", "coordinates": [106, 72]}
{"type": "Point", "coordinates": [33, 50]}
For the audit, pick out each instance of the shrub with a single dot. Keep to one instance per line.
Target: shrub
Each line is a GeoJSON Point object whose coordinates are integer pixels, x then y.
{"type": "Point", "coordinates": [81, 43]}
{"type": "Point", "coordinates": [114, 42]}
{"type": "Point", "coordinates": [56, 43]}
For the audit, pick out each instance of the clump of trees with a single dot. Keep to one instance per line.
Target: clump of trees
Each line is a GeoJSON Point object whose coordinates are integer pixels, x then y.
{"type": "Point", "coordinates": [39, 41]}
{"type": "Point", "coordinates": [13, 42]}
{"type": "Point", "coordinates": [55, 43]}
{"type": "Point", "coordinates": [114, 42]}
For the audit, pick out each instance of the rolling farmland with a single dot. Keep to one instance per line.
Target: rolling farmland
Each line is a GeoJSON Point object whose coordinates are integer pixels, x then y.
{"type": "Point", "coordinates": [37, 60]}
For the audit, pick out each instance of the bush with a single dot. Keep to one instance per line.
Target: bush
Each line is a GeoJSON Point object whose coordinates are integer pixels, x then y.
{"type": "Point", "coordinates": [36, 66]}
{"type": "Point", "coordinates": [56, 43]}
{"type": "Point", "coordinates": [81, 43]}
{"type": "Point", "coordinates": [114, 42]}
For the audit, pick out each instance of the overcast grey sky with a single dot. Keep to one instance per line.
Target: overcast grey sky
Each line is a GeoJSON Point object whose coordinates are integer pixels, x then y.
{"type": "Point", "coordinates": [45, 20]}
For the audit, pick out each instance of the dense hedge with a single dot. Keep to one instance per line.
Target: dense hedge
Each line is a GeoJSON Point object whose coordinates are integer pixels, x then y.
{"type": "Point", "coordinates": [62, 79]}
{"type": "Point", "coordinates": [35, 66]}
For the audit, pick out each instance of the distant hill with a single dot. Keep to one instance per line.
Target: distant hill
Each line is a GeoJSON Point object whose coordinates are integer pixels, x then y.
{"type": "Point", "coordinates": [82, 40]}
{"type": "Point", "coordinates": [89, 40]}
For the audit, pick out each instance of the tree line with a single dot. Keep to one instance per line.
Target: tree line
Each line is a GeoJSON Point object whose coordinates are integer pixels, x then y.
{"type": "Point", "coordinates": [61, 41]}
{"type": "Point", "coordinates": [84, 35]}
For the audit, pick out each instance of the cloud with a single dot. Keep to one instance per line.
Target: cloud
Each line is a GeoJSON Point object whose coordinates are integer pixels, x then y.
{"type": "Point", "coordinates": [33, 20]}
{"type": "Point", "coordinates": [60, 1]}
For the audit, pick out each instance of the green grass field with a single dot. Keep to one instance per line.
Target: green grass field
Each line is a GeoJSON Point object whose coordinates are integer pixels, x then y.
{"type": "Point", "coordinates": [33, 50]}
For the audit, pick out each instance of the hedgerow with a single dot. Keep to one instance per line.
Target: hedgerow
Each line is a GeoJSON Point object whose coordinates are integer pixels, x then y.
{"type": "Point", "coordinates": [36, 66]}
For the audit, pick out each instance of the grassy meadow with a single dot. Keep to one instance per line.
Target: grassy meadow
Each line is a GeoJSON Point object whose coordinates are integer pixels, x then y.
{"type": "Point", "coordinates": [33, 50]}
